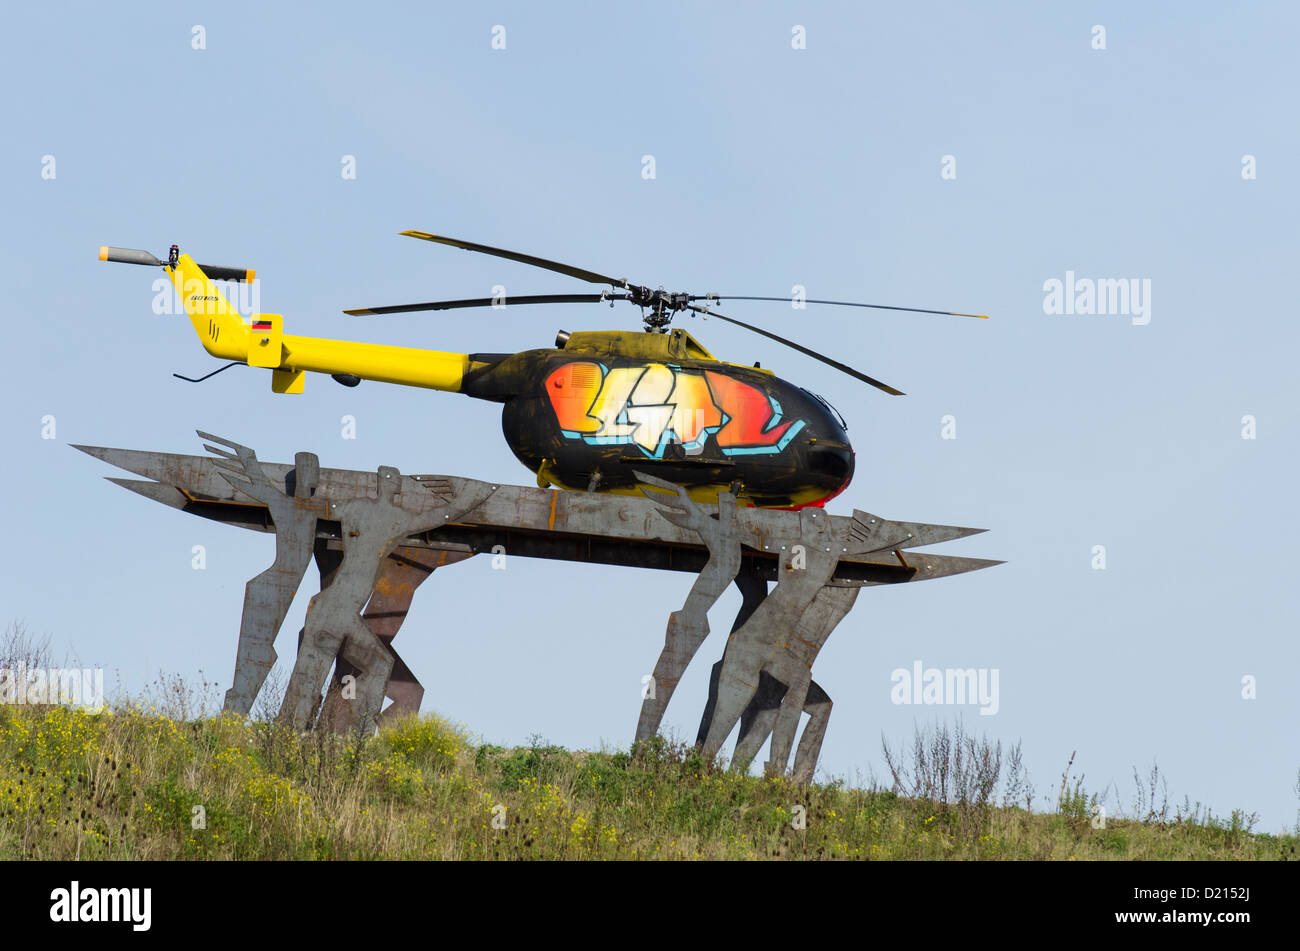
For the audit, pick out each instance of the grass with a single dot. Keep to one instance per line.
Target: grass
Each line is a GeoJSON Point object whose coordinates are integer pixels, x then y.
{"type": "Point", "coordinates": [138, 784]}
{"type": "Point", "coordinates": [158, 778]}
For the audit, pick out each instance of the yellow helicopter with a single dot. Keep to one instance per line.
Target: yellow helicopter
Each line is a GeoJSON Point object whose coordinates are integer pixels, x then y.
{"type": "Point", "coordinates": [590, 412]}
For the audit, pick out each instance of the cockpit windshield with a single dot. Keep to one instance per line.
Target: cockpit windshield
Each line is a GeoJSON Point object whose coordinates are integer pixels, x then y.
{"type": "Point", "coordinates": [827, 403]}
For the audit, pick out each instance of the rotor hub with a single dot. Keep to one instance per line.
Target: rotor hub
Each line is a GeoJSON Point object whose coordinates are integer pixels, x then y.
{"type": "Point", "coordinates": [657, 306]}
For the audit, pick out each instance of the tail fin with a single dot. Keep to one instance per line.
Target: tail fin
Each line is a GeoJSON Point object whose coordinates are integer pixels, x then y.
{"type": "Point", "coordinates": [263, 343]}
{"type": "Point", "coordinates": [220, 327]}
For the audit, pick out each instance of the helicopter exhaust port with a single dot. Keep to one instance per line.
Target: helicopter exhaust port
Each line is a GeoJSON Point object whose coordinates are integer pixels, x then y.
{"type": "Point", "coordinates": [561, 339]}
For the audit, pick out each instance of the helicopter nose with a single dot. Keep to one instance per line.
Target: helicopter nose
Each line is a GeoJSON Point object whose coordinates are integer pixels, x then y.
{"type": "Point", "coordinates": [833, 461]}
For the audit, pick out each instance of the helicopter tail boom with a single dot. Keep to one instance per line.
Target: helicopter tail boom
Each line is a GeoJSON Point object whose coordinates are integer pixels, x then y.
{"type": "Point", "coordinates": [433, 369]}
{"type": "Point", "coordinates": [263, 343]}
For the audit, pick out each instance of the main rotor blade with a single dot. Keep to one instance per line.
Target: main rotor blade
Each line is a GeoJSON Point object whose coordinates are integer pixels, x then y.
{"type": "Point", "coordinates": [485, 302]}
{"type": "Point", "coordinates": [802, 349]}
{"type": "Point", "coordinates": [844, 303]}
{"type": "Point", "coordinates": [577, 272]}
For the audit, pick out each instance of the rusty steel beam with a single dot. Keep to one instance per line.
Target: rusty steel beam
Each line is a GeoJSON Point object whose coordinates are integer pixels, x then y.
{"type": "Point", "coordinates": [566, 526]}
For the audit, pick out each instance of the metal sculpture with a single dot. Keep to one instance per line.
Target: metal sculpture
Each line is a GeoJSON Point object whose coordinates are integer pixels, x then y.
{"type": "Point", "coordinates": [688, 627]}
{"type": "Point", "coordinates": [268, 596]}
{"type": "Point", "coordinates": [403, 571]}
{"type": "Point", "coordinates": [376, 536]}
{"type": "Point", "coordinates": [370, 530]}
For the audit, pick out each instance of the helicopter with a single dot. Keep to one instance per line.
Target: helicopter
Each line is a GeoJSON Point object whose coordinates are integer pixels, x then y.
{"type": "Point", "coordinates": [596, 409]}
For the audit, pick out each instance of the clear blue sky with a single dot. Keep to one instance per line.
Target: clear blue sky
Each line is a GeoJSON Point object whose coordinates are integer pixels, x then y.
{"type": "Point", "coordinates": [774, 167]}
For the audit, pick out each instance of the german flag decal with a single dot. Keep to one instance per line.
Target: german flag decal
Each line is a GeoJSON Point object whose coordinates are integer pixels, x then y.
{"type": "Point", "coordinates": [261, 325]}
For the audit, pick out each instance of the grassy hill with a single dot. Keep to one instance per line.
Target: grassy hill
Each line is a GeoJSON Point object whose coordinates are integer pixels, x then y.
{"type": "Point", "coordinates": [135, 784]}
